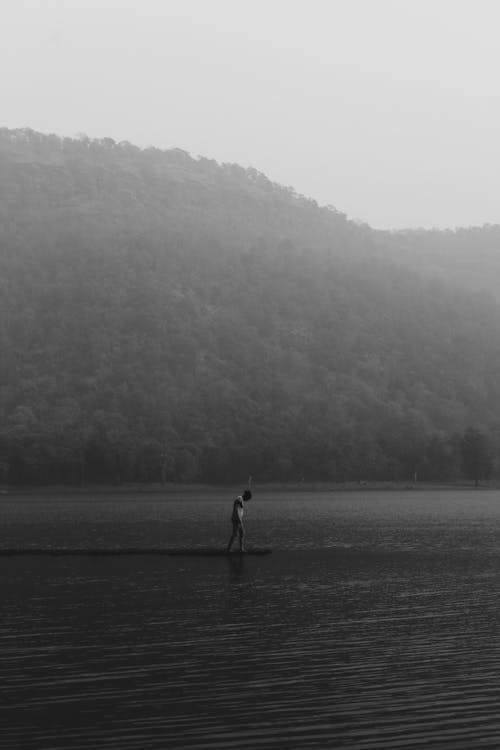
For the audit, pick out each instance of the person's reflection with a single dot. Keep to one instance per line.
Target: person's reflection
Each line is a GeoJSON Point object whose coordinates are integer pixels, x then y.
{"type": "Point", "coordinates": [236, 568]}
{"type": "Point", "coordinates": [239, 584]}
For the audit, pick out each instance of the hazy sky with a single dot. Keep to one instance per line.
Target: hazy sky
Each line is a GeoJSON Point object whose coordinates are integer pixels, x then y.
{"type": "Point", "coordinates": [387, 109]}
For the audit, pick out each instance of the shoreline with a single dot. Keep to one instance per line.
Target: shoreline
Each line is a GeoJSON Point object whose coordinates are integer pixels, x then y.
{"type": "Point", "coordinates": [268, 487]}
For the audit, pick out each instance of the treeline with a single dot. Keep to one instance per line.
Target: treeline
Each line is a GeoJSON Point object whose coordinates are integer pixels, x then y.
{"type": "Point", "coordinates": [164, 318]}
{"type": "Point", "coordinates": [97, 455]}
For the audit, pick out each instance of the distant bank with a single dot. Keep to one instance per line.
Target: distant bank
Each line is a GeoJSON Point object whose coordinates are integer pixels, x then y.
{"type": "Point", "coordinates": [227, 490]}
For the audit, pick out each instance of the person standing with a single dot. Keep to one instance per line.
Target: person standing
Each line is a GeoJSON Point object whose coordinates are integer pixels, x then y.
{"type": "Point", "coordinates": [237, 520]}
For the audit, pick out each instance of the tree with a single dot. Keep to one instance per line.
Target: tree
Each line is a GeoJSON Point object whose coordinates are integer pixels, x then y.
{"type": "Point", "coordinates": [476, 458]}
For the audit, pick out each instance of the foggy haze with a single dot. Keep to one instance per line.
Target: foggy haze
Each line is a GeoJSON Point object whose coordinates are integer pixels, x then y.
{"type": "Point", "coordinates": [387, 109]}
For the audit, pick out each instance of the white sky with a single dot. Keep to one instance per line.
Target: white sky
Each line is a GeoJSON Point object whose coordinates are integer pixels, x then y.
{"type": "Point", "coordinates": [387, 109]}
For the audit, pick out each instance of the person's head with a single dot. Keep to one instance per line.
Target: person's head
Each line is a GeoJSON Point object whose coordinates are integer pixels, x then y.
{"type": "Point", "coordinates": [247, 495]}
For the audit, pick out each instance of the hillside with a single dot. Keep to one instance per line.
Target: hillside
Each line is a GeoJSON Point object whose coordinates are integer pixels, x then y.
{"type": "Point", "coordinates": [164, 316]}
{"type": "Point", "coordinates": [467, 258]}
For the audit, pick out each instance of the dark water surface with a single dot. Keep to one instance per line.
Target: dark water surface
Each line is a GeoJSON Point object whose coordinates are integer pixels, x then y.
{"type": "Point", "coordinates": [374, 624]}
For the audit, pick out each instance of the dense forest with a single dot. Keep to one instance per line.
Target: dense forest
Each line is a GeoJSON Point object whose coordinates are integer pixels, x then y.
{"type": "Point", "coordinates": [170, 318]}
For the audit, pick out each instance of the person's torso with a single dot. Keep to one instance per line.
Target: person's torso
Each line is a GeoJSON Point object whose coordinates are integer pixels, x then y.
{"type": "Point", "coordinates": [238, 510]}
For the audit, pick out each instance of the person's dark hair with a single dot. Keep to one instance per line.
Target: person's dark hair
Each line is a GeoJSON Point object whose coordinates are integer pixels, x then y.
{"type": "Point", "coordinates": [247, 495]}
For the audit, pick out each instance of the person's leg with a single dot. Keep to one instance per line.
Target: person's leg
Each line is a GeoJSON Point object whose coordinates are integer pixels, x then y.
{"type": "Point", "coordinates": [233, 537]}
{"type": "Point", "coordinates": [241, 532]}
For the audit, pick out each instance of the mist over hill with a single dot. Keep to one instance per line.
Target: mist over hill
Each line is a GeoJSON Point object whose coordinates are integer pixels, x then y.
{"type": "Point", "coordinates": [165, 317]}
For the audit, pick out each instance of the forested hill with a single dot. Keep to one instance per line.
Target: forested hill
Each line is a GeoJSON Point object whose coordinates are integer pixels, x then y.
{"type": "Point", "coordinates": [170, 317]}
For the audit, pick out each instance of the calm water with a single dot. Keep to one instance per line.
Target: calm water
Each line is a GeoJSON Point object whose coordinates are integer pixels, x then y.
{"type": "Point", "coordinates": [374, 624]}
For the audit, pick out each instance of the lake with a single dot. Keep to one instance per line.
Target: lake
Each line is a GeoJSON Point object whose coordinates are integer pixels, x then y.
{"type": "Point", "coordinates": [373, 625]}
